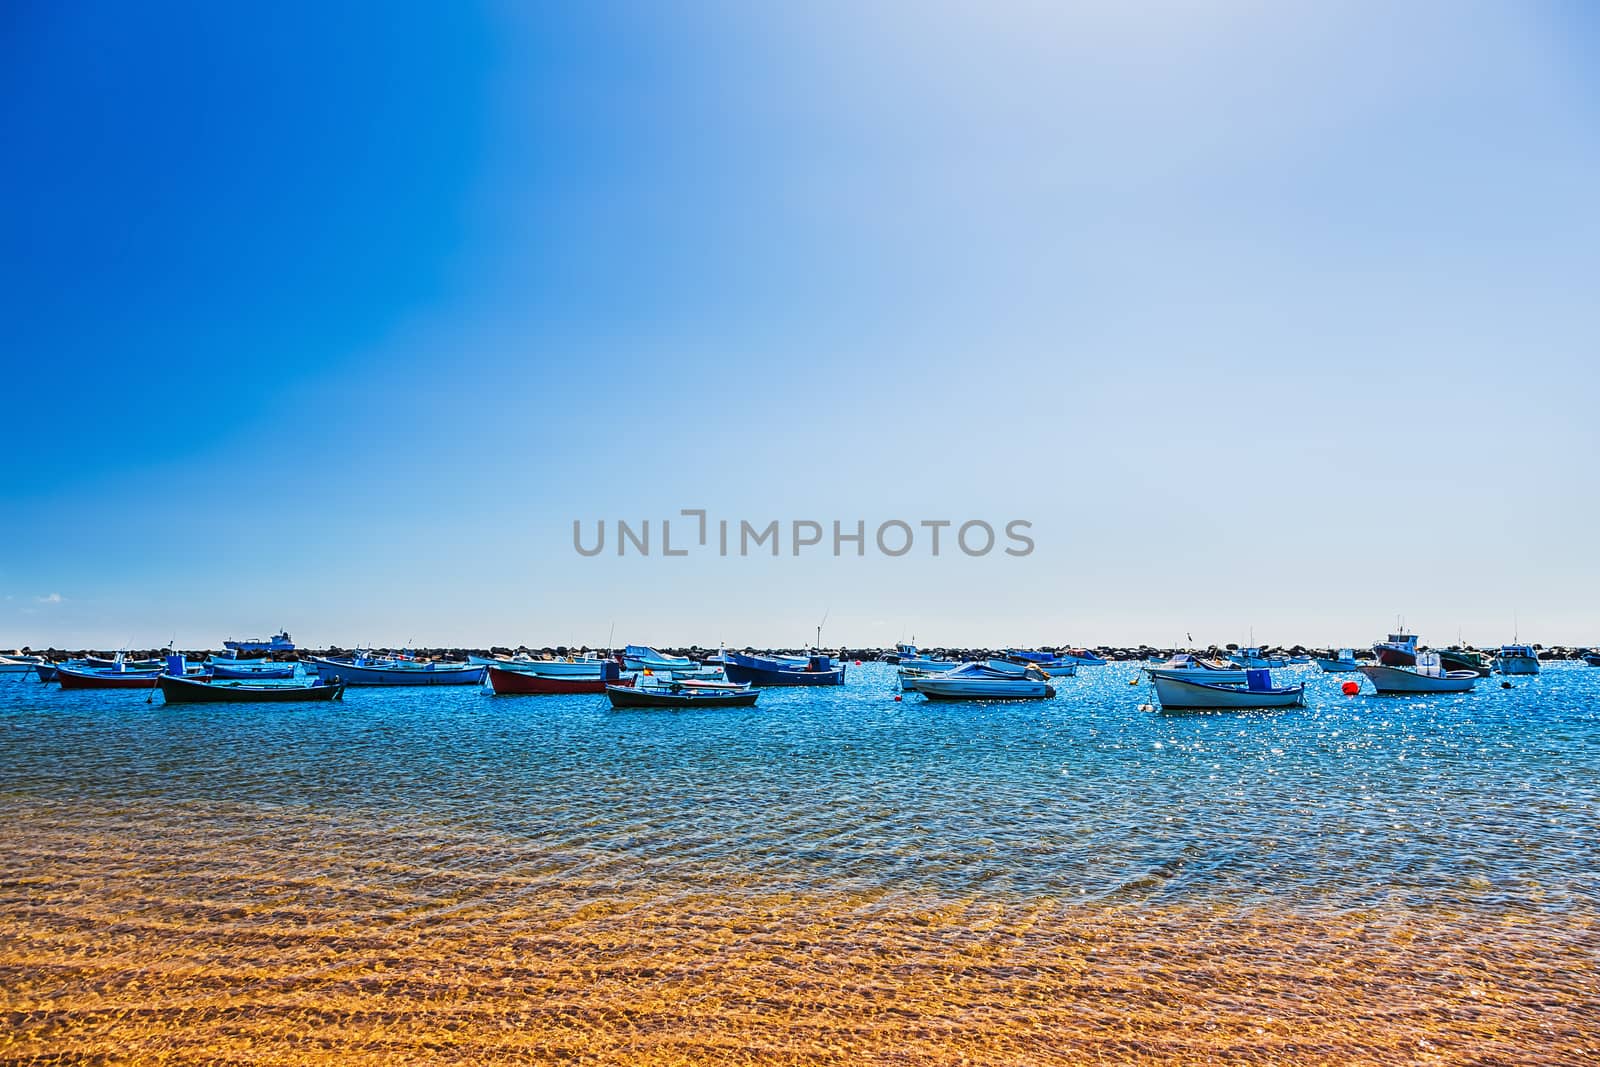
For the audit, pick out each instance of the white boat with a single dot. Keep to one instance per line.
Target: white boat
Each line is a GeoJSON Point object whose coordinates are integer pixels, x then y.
{"type": "Point", "coordinates": [994, 680]}
{"type": "Point", "coordinates": [398, 672]}
{"type": "Point", "coordinates": [641, 657]}
{"type": "Point", "coordinates": [1190, 668]}
{"type": "Point", "coordinates": [1257, 692]}
{"type": "Point", "coordinates": [910, 658]}
{"type": "Point", "coordinates": [1426, 677]}
{"type": "Point", "coordinates": [19, 664]}
{"type": "Point", "coordinates": [1516, 659]}
{"type": "Point", "coordinates": [1253, 659]}
{"type": "Point", "coordinates": [1344, 663]}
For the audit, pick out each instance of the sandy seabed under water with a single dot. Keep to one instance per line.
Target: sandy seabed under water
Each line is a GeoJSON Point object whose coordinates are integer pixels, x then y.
{"type": "Point", "coordinates": [130, 942]}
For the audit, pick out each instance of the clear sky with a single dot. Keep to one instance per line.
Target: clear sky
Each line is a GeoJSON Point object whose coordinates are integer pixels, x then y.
{"type": "Point", "coordinates": [335, 317]}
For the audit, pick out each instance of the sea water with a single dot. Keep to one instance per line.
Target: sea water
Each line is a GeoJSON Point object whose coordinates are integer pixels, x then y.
{"type": "Point", "coordinates": [834, 874]}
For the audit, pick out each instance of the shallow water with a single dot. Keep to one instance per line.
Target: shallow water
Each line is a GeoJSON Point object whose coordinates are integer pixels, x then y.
{"type": "Point", "coordinates": [443, 875]}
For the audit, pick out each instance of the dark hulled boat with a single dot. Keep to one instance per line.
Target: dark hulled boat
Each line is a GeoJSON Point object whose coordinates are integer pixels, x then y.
{"type": "Point", "coordinates": [530, 682]}
{"type": "Point", "coordinates": [680, 696]}
{"type": "Point", "coordinates": [773, 671]}
{"type": "Point", "coordinates": [205, 691]}
{"type": "Point", "coordinates": [1464, 659]}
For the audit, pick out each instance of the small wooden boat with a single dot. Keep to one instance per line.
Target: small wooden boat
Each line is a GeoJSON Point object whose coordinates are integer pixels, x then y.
{"type": "Point", "coordinates": [526, 682]}
{"type": "Point", "coordinates": [1083, 657]}
{"type": "Point", "coordinates": [781, 670]}
{"type": "Point", "coordinates": [1254, 659]}
{"type": "Point", "coordinates": [642, 657]}
{"type": "Point", "coordinates": [398, 672]}
{"type": "Point", "coordinates": [204, 691]}
{"type": "Point", "coordinates": [1422, 678]}
{"type": "Point", "coordinates": [1257, 692]}
{"type": "Point", "coordinates": [1465, 659]}
{"type": "Point", "coordinates": [679, 695]}
{"type": "Point", "coordinates": [569, 666]}
{"type": "Point", "coordinates": [45, 671]}
{"type": "Point", "coordinates": [1048, 663]}
{"type": "Point", "coordinates": [105, 678]}
{"type": "Point", "coordinates": [1517, 659]}
{"type": "Point", "coordinates": [1187, 667]}
{"type": "Point", "coordinates": [1343, 663]}
{"type": "Point", "coordinates": [260, 671]}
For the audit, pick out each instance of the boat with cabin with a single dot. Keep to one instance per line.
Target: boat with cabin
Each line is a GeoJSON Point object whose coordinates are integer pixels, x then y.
{"type": "Point", "coordinates": [1397, 650]}
{"type": "Point", "coordinates": [1424, 676]}
{"type": "Point", "coordinates": [1516, 659]}
{"type": "Point", "coordinates": [1255, 659]}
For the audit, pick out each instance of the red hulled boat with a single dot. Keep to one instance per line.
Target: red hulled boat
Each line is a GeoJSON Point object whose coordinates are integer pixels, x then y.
{"type": "Point", "coordinates": [506, 682]}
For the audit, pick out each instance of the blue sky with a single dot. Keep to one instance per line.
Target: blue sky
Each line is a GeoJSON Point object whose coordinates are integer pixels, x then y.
{"type": "Point", "coordinates": [335, 318]}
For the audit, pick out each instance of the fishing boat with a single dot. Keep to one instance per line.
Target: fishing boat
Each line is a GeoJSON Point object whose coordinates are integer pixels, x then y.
{"type": "Point", "coordinates": [1398, 650]}
{"type": "Point", "coordinates": [278, 642]}
{"type": "Point", "coordinates": [909, 657]}
{"type": "Point", "coordinates": [120, 675]}
{"type": "Point", "coordinates": [1517, 659]}
{"type": "Point", "coordinates": [250, 670]}
{"type": "Point", "coordinates": [1083, 657]}
{"type": "Point", "coordinates": [103, 663]}
{"type": "Point", "coordinates": [1254, 659]}
{"type": "Point", "coordinates": [785, 670]}
{"type": "Point", "coordinates": [680, 696]}
{"type": "Point", "coordinates": [1256, 692]}
{"type": "Point", "coordinates": [1187, 667]}
{"type": "Point", "coordinates": [1343, 663]}
{"type": "Point", "coordinates": [1050, 663]}
{"type": "Point", "coordinates": [207, 691]}
{"type": "Point", "coordinates": [45, 671]}
{"type": "Point", "coordinates": [991, 680]}
{"type": "Point", "coordinates": [584, 666]}
{"type": "Point", "coordinates": [1299, 658]}
{"type": "Point", "coordinates": [398, 672]}
{"type": "Point", "coordinates": [1425, 676]}
{"type": "Point", "coordinates": [506, 682]}
{"type": "Point", "coordinates": [19, 664]}
{"type": "Point", "coordinates": [643, 657]}
{"type": "Point", "coordinates": [1465, 659]}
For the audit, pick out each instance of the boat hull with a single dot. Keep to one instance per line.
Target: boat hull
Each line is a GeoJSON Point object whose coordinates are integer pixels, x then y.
{"type": "Point", "coordinates": [554, 668]}
{"type": "Point", "coordinates": [1178, 693]}
{"type": "Point", "coordinates": [69, 678]}
{"type": "Point", "coordinates": [188, 691]}
{"type": "Point", "coordinates": [355, 675]}
{"type": "Point", "coordinates": [1338, 666]}
{"type": "Point", "coordinates": [937, 688]}
{"type": "Point", "coordinates": [526, 683]}
{"type": "Point", "coordinates": [45, 671]}
{"type": "Point", "coordinates": [1387, 679]}
{"type": "Point", "coordinates": [685, 697]}
{"type": "Point", "coordinates": [743, 670]}
{"type": "Point", "coordinates": [1457, 661]}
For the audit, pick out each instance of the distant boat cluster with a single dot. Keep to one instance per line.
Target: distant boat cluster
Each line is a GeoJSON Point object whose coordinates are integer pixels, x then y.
{"type": "Point", "coordinates": [640, 676]}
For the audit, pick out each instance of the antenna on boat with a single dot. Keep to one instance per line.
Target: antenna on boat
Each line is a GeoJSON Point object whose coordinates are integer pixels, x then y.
{"type": "Point", "coordinates": [610, 637]}
{"type": "Point", "coordinates": [818, 646]}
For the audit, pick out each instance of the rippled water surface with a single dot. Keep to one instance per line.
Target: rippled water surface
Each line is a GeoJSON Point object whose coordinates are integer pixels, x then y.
{"type": "Point", "coordinates": [442, 875]}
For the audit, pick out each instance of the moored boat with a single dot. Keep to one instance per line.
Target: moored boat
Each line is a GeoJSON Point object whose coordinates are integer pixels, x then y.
{"type": "Point", "coordinates": [1516, 659]}
{"type": "Point", "coordinates": [1465, 659]}
{"type": "Point", "coordinates": [1255, 659]}
{"type": "Point", "coordinates": [567, 666]}
{"type": "Point", "coordinates": [1343, 663]}
{"type": "Point", "coordinates": [45, 671]}
{"type": "Point", "coordinates": [247, 670]}
{"type": "Point", "coordinates": [992, 680]}
{"type": "Point", "coordinates": [1591, 657]}
{"type": "Point", "coordinates": [1188, 667]}
{"type": "Point", "coordinates": [1399, 650]}
{"type": "Point", "coordinates": [398, 672]}
{"type": "Point", "coordinates": [506, 682]}
{"type": "Point", "coordinates": [278, 642]}
{"type": "Point", "coordinates": [778, 671]}
{"type": "Point", "coordinates": [1051, 664]}
{"type": "Point", "coordinates": [1083, 657]}
{"type": "Point", "coordinates": [1256, 692]}
{"type": "Point", "coordinates": [19, 664]}
{"type": "Point", "coordinates": [643, 657]}
{"type": "Point", "coordinates": [680, 695]}
{"type": "Point", "coordinates": [206, 691]}
{"type": "Point", "coordinates": [1423, 677]}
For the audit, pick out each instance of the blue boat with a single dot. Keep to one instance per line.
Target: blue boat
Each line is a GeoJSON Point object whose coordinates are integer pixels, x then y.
{"type": "Point", "coordinates": [1048, 662]}
{"type": "Point", "coordinates": [244, 669]}
{"type": "Point", "coordinates": [781, 670]}
{"type": "Point", "coordinates": [364, 671]}
{"type": "Point", "coordinates": [645, 658]}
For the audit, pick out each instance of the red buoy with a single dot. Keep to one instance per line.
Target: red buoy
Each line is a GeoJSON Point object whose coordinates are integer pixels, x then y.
{"type": "Point", "coordinates": [1351, 688]}
{"type": "Point", "coordinates": [897, 700]}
